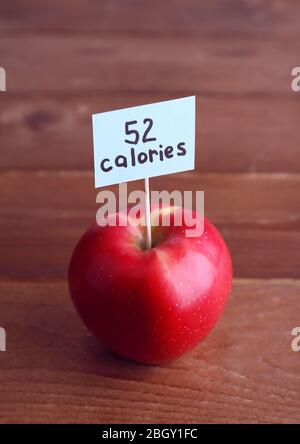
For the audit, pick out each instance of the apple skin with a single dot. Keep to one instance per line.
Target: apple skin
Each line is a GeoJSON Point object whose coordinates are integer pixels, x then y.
{"type": "Point", "coordinates": [150, 306]}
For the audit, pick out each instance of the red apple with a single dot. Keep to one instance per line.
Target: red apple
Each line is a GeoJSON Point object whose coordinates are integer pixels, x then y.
{"type": "Point", "coordinates": [150, 306]}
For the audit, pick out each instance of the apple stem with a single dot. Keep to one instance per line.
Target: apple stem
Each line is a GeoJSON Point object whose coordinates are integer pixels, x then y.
{"type": "Point", "coordinates": [147, 211]}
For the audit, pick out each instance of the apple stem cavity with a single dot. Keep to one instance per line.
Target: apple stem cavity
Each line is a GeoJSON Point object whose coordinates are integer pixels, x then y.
{"type": "Point", "coordinates": [147, 213]}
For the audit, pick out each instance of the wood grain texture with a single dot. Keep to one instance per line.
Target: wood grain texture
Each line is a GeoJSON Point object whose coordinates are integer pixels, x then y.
{"type": "Point", "coordinates": [167, 64]}
{"type": "Point", "coordinates": [67, 60]}
{"type": "Point", "coordinates": [151, 16]}
{"type": "Point", "coordinates": [44, 214]}
{"type": "Point", "coordinates": [245, 371]}
{"type": "Point", "coordinates": [233, 134]}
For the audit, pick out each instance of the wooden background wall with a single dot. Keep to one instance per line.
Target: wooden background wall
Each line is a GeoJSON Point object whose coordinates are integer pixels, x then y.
{"type": "Point", "coordinates": [67, 60]}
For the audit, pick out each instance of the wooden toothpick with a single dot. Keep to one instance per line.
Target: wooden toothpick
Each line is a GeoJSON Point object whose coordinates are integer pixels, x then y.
{"type": "Point", "coordinates": [147, 211]}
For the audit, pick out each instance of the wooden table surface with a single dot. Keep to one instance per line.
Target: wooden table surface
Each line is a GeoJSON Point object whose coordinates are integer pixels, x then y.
{"type": "Point", "coordinates": [67, 60]}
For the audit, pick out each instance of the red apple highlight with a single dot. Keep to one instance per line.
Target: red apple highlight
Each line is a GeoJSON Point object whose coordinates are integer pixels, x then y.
{"type": "Point", "coordinates": [150, 306]}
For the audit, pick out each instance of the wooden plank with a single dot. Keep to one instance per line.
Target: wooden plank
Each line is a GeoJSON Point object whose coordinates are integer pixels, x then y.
{"type": "Point", "coordinates": [233, 134]}
{"type": "Point", "coordinates": [134, 16]}
{"type": "Point", "coordinates": [168, 64]}
{"type": "Point", "coordinates": [44, 214]}
{"type": "Point", "coordinates": [245, 371]}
